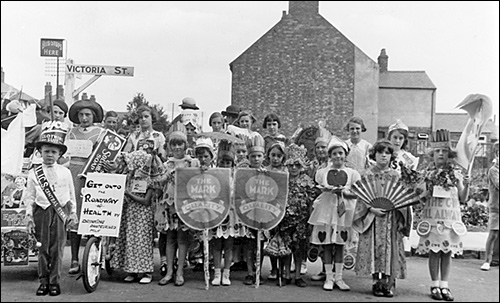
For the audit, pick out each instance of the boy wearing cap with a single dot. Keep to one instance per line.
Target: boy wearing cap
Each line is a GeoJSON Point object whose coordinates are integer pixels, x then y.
{"type": "Point", "coordinates": [51, 204]}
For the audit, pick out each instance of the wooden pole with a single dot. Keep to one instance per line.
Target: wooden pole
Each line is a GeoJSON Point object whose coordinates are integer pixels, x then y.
{"type": "Point", "coordinates": [257, 271]}
{"type": "Point", "coordinates": [206, 257]}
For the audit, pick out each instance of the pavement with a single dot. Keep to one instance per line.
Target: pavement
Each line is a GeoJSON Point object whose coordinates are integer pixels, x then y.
{"type": "Point", "coordinates": [467, 282]}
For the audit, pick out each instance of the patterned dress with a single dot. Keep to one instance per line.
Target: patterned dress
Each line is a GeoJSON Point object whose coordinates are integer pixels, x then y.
{"type": "Point", "coordinates": [380, 246]}
{"type": "Point", "coordinates": [134, 246]}
{"type": "Point", "coordinates": [165, 214]}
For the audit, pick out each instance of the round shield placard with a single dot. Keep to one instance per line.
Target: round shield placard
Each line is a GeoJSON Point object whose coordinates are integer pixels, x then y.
{"type": "Point", "coordinates": [202, 198]}
{"type": "Point", "coordinates": [260, 200]}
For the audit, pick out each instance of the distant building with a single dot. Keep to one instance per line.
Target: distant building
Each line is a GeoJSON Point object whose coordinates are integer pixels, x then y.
{"type": "Point", "coordinates": [306, 70]}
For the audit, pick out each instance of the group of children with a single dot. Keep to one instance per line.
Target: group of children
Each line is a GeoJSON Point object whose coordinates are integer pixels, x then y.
{"type": "Point", "coordinates": [321, 208]}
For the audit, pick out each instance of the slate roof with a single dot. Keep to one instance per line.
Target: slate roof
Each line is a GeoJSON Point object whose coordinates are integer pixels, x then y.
{"type": "Point", "coordinates": [455, 123]}
{"type": "Point", "coordinates": [405, 79]}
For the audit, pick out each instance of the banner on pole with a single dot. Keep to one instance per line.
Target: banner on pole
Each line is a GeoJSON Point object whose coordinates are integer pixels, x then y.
{"type": "Point", "coordinates": [480, 110]}
{"type": "Point", "coordinates": [260, 198]}
{"type": "Point", "coordinates": [202, 198]}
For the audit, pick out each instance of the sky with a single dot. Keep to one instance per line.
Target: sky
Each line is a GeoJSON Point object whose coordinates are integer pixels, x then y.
{"type": "Point", "coordinates": [183, 49]}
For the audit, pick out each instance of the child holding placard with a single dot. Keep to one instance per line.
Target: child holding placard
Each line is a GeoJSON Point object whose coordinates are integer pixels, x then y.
{"type": "Point", "coordinates": [175, 233]}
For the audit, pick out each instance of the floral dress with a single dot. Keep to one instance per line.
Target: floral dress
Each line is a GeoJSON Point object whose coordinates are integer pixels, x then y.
{"type": "Point", "coordinates": [332, 225]}
{"type": "Point", "coordinates": [380, 245]}
{"type": "Point", "coordinates": [134, 246]}
{"type": "Point", "coordinates": [294, 229]}
{"type": "Point", "coordinates": [441, 226]}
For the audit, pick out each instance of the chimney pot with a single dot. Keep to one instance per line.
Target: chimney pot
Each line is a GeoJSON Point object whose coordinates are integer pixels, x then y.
{"type": "Point", "coordinates": [383, 61]}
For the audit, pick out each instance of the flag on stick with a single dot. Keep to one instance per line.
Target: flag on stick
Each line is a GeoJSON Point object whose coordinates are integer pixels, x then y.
{"type": "Point", "coordinates": [480, 110]}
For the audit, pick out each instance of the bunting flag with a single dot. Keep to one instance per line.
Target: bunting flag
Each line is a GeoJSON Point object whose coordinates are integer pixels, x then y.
{"type": "Point", "coordinates": [480, 110]}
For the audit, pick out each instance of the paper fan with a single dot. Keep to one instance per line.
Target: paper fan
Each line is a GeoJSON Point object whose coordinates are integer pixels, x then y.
{"type": "Point", "coordinates": [384, 191]}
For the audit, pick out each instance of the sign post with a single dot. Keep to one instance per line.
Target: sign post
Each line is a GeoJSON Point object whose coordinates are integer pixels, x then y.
{"type": "Point", "coordinates": [52, 48]}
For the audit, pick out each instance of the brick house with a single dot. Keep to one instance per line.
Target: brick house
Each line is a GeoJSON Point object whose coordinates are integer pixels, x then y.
{"type": "Point", "coordinates": [306, 70]}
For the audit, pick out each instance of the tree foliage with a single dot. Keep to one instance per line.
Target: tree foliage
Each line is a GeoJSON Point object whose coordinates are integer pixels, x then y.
{"type": "Point", "coordinates": [162, 124]}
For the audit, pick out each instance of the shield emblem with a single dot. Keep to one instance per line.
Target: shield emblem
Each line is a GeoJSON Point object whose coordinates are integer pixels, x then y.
{"type": "Point", "coordinates": [202, 198]}
{"type": "Point", "coordinates": [260, 198]}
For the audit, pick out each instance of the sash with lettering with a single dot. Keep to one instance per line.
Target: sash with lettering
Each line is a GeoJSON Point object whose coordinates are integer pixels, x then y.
{"type": "Point", "coordinates": [44, 184]}
{"type": "Point", "coordinates": [260, 198]}
{"type": "Point", "coordinates": [202, 198]}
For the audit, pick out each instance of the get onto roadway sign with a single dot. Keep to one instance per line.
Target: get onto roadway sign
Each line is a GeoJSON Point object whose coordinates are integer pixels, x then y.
{"type": "Point", "coordinates": [101, 70]}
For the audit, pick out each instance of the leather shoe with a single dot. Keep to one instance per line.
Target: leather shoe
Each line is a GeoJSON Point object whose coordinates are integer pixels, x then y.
{"type": "Point", "coordinates": [55, 290]}
{"type": "Point", "coordinates": [446, 293]}
{"type": "Point", "coordinates": [377, 290]}
{"type": "Point", "coordinates": [300, 283]}
{"type": "Point", "coordinates": [42, 290]}
{"type": "Point", "coordinates": [436, 293]}
{"type": "Point", "coordinates": [388, 292]}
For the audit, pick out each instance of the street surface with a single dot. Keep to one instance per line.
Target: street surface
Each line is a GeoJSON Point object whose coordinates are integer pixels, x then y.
{"type": "Point", "coordinates": [468, 284]}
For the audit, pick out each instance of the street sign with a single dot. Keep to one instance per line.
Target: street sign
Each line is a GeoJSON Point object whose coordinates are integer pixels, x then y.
{"type": "Point", "coordinates": [100, 70]}
{"type": "Point", "coordinates": [51, 47]}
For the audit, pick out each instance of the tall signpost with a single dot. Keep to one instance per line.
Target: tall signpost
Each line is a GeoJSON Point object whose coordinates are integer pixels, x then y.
{"type": "Point", "coordinates": [50, 47]}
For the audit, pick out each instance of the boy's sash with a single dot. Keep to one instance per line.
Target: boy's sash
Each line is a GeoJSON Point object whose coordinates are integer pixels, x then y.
{"type": "Point", "coordinates": [45, 185]}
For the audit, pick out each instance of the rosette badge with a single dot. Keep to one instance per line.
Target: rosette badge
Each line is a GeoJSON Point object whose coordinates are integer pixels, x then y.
{"type": "Point", "coordinates": [54, 133]}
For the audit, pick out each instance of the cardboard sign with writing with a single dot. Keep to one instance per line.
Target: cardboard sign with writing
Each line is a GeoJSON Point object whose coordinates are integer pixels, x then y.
{"type": "Point", "coordinates": [202, 198]}
{"type": "Point", "coordinates": [102, 204]}
{"type": "Point", "coordinates": [78, 148]}
{"type": "Point", "coordinates": [260, 198]}
{"type": "Point", "coordinates": [443, 210]}
{"type": "Point", "coordinates": [13, 217]}
{"type": "Point", "coordinates": [107, 150]}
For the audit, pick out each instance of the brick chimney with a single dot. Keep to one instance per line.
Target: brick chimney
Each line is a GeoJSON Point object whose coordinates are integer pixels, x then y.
{"type": "Point", "coordinates": [3, 76]}
{"type": "Point", "coordinates": [48, 92]}
{"type": "Point", "coordinates": [303, 8]}
{"type": "Point", "coordinates": [84, 96]}
{"type": "Point", "coordinates": [92, 97]}
{"type": "Point", "coordinates": [383, 61]}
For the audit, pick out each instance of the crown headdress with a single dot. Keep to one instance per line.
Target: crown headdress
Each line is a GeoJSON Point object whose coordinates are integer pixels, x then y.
{"type": "Point", "coordinates": [440, 139]}
{"type": "Point", "coordinates": [398, 125]}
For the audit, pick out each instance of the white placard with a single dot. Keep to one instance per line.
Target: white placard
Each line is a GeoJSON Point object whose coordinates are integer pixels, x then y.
{"type": "Point", "coordinates": [440, 192]}
{"type": "Point", "coordinates": [102, 204]}
{"type": "Point", "coordinates": [79, 148]}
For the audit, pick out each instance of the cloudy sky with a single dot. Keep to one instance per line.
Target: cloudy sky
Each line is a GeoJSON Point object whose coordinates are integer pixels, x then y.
{"type": "Point", "coordinates": [180, 49]}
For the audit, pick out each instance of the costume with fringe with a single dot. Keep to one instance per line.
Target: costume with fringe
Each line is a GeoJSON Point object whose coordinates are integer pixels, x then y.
{"type": "Point", "coordinates": [442, 235]}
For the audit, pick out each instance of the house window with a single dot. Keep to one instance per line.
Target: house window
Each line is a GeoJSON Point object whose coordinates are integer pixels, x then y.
{"type": "Point", "coordinates": [421, 147]}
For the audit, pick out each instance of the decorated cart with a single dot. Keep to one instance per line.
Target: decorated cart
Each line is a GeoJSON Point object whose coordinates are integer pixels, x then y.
{"type": "Point", "coordinates": [19, 246]}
